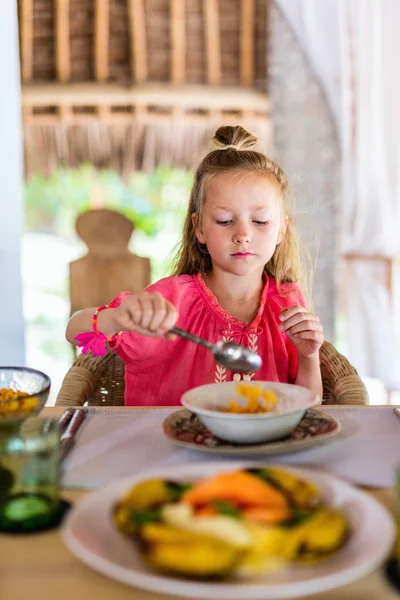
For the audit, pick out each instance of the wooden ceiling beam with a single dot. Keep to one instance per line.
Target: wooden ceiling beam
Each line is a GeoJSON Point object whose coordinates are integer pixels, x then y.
{"type": "Point", "coordinates": [101, 39]}
{"type": "Point", "coordinates": [188, 96]}
{"type": "Point", "coordinates": [108, 117]}
{"type": "Point", "coordinates": [137, 40]}
{"type": "Point", "coordinates": [27, 39]}
{"type": "Point", "coordinates": [212, 41]}
{"type": "Point", "coordinates": [63, 59]}
{"type": "Point", "coordinates": [178, 40]}
{"type": "Point", "coordinates": [247, 14]}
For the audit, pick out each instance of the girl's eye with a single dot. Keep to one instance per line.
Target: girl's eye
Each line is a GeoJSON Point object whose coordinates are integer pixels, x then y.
{"type": "Point", "coordinates": [260, 222]}
{"type": "Point", "coordinates": [223, 222]}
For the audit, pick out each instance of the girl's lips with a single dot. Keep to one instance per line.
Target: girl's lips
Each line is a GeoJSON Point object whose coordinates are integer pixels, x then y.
{"type": "Point", "coordinates": [242, 254]}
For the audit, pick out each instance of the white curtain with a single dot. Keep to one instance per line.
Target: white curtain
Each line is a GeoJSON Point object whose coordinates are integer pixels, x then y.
{"type": "Point", "coordinates": [12, 350]}
{"type": "Point", "coordinates": [353, 47]}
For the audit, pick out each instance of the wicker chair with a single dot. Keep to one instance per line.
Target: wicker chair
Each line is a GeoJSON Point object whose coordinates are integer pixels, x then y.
{"type": "Point", "coordinates": [99, 381]}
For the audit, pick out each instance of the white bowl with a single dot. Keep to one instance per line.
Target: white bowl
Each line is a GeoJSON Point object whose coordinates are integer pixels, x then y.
{"type": "Point", "coordinates": [207, 401]}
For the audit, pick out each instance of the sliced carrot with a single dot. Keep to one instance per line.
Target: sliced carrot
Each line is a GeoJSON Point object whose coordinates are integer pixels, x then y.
{"type": "Point", "coordinates": [266, 515]}
{"type": "Point", "coordinates": [206, 511]}
{"type": "Point", "coordinates": [240, 488]}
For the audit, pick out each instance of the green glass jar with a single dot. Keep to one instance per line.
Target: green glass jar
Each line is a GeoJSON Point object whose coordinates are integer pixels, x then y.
{"type": "Point", "coordinates": [29, 475]}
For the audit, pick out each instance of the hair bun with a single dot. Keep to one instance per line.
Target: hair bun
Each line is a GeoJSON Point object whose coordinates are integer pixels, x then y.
{"type": "Point", "coordinates": [233, 137]}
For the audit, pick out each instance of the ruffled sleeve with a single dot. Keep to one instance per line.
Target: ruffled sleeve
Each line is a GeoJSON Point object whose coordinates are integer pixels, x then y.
{"type": "Point", "coordinates": [118, 299]}
{"type": "Point", "coordinates": [131, 346]}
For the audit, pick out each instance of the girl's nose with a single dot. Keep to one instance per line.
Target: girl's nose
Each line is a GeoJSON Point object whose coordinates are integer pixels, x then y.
{"type": "Point", "coordinates": [241, 237]}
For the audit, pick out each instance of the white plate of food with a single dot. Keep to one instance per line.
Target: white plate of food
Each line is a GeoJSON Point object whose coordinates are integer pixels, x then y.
{"type": "Point", "coordinates": [356, 538]}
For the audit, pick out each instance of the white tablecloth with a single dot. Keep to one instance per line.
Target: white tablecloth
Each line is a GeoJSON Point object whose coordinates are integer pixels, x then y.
{"type": "Point", "coordinates": [116, 443]}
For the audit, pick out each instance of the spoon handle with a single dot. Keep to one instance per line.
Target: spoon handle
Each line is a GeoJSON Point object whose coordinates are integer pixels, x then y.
{"type": "Point", "coordinates": [193, 338]}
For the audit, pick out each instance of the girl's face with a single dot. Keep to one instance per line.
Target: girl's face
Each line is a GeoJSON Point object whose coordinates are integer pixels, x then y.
{"type": "Point", "coordinates": [242, 221]}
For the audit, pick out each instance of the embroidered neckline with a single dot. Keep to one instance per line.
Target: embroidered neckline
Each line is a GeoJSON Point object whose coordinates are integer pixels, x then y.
{"type": "Point", "coordinates": [224, 314]}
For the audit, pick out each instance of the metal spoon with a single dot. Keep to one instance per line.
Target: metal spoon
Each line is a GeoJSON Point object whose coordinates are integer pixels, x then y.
{"type": "Point", "coordinates": [234, 357]}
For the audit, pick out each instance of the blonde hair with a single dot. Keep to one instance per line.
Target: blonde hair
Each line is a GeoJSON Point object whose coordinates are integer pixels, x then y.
{"type": "Point", "coordinates": [233, 151]}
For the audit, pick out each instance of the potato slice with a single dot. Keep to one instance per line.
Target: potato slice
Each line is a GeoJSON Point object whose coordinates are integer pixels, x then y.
{"type": "Point", "coordinates": [323, 533]}
{"type": "Point", "coordinates": [146, 494]}
{"type": "Point", "coordinates": [186, 552]}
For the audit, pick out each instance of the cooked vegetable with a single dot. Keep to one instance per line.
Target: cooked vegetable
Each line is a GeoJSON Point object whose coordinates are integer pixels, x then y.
{"type": "Point", "coordinates": [300, 493]}
{"type": "Point", "coordinates": [244, 523]}
{"type": "Point", "coordinates": [15, 403]}
{"type": "Point", "coordinates": [310, 542]}
{"type": "Point", "coordinates": [142, 503]}
{"type": "Point", "coordinates": [8, 394]}
{"type": "Point", "coordinates": [258, 400]}
{"type": "Point", "coordinates": [240, 488]}
{"type": "Point", "coordinates": [221, 527]}
{"type": "Point", "coordinates": [147, 494]}
{"type": "Point", "coordinates": [320, 535]}
{"type": "Point", "coordinates": [222, 507]}
{"type": "Point", "coordinates": [268, 552]}
{"type": "Point", "coordinates": [188, 553]}
{"type": "Point", "coordinates": [267, 515]}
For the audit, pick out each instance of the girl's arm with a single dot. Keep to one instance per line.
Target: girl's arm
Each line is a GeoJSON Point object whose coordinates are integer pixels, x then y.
{"type": "Point", "coordinates": [309, 374]}
{"type": "Point", "coordinates": [145, 313]}
{"type": "Point", "coordinates": [305, 331]}
{"type": "Point", "coordinates": [81, 322]}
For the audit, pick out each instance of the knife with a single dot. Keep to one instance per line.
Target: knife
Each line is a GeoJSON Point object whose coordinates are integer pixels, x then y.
{"type": "Point", "coordinates": [62, 421]}
{"type": "Point", "coordinates": [67, 440]}
{"type": "Point", "coordinates": [65, 418]}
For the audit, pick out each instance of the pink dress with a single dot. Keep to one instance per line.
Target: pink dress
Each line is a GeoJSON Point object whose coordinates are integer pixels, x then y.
{"type": "Point", "coordinates": [159, 371]}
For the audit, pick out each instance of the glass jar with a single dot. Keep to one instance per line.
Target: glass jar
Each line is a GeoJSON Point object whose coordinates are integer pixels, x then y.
{"type": "Point", "coordinates": [29, 474]}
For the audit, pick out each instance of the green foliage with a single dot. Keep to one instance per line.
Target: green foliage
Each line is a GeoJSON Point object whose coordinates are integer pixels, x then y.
{"type": "Point", "coordinates": [52, 204]}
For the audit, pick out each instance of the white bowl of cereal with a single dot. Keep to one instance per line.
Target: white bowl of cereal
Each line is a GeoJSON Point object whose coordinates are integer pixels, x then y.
{"type": "Point", "coordinates": [250, 412]}
{"type": "Point", "coordinates": [23, 393]}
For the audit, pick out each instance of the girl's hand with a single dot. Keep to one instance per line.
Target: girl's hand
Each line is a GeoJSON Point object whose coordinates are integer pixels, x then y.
{"type": "Point", "coordinates": [145, 313]}
{"type": "Point", "coordinates": [303, 329]}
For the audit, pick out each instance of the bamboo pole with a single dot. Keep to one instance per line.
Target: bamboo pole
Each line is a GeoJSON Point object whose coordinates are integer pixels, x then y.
{"type": "Point", "coordinates": [142, 116]}
{"type": "Point", "coordinates": [64, 113]}
{"type": "Point", "coordinates": [247, 34]}
{"type": "Point", "coordinates": [27, 39]}
{"type": "Point", "coordinates": [137, 40]}
{"type": "Point", "coordinates": [178, 40]}
{"type": "Point", "coordinates": [63, 60]}
{"type": "Point", "coordinates": [157, 94]}
{"type": "Point", "coordinates": [212, 41]}
{"type": "Point", "coordinates": [104, 112]}
{"type": "Point", "coordinates": [101, 39]}
{"type": "Point", "coordinates": [27, 114]}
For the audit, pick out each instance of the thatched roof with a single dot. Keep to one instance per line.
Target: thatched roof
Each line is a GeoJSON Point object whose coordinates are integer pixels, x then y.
{"type": "Point", "coordinates": [132, 83]}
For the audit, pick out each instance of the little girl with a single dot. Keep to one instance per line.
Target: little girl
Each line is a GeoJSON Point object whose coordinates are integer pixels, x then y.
{"type": "Point", "coordinates": [234, 279]}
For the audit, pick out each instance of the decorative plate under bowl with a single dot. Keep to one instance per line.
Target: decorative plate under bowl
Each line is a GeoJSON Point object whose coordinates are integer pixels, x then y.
{"type": "Point", "coordinates": [185, 429]}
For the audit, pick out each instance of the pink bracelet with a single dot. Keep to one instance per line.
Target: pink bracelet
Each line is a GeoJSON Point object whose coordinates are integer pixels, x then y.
{"type": "Point", "coordinates": [95, 340]}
